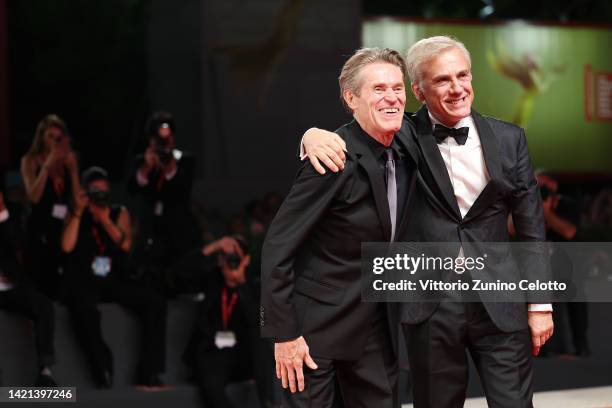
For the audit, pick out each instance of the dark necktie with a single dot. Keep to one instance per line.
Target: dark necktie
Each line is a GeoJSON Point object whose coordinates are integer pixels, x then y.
{"type": "Point", "coordinates": [441, 132]}
{"type": "Point", "coordinates": [391, 190]}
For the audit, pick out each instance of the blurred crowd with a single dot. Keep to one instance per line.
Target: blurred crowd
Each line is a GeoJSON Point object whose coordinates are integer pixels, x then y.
{"type": "Point", "coordinates": [64, 238]}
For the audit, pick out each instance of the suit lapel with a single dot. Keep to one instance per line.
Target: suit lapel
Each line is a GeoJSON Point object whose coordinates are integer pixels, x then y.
{"type": "Point", "coordinates": [368, 162]}
{"type": "Point", "coordinates": [490, 151]}
{"type": "Point", "coordinates": [490, 147]}
{"type": "Point", "coordinates": [434, 161]}
{"type": "Point", "coordinates": [406, 137]}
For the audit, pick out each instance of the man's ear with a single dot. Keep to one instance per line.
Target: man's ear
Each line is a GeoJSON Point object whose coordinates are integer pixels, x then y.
{"type": "Point", "coordinates": [349, 98]}
{"type": "Point", "coordinates": [417, 93]}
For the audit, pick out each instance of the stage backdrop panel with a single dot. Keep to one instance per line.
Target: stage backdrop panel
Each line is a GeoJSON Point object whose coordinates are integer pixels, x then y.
{"type": "Point", "coordinates": [555, 81]}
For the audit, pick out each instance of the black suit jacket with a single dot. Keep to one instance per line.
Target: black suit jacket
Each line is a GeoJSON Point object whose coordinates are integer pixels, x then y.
{"type": "Point", "coordinates": [511, 189]}
{"type": "Point", "coordinates": [311, 256]}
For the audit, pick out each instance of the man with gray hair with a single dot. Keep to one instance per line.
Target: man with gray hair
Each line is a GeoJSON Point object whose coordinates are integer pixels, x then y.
{"type": "Point", "coordinates": [310, 279]}
{"type": "Point", "coordinates": [473, 172]}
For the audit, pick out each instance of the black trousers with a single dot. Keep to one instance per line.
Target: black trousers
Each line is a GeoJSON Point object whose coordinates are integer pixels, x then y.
{"type": "Point", "coordinates": [217, 368]}
{"type": "Point", "coordinates": [82, 301]}
{"type": "Point", "coordinates": [370, 381]}
{"type": "Point", "coordinates": [27, 301]}
{"type": "Point", "coordinates": [42, 262]}
{"type": "Point", "coordinates": [439, 365]}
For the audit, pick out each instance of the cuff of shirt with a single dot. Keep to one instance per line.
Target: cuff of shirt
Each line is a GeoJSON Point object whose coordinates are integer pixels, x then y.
{"type": "Point", "coordinates": [4, 215]}
{"type": "Point", "coordinates": [539, 307]}
{"type": "Point", "coordinates": [141, 180]}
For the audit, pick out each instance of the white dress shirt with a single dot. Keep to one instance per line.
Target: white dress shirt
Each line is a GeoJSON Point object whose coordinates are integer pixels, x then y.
{"type": "Point", "coordinates": [468, 173]}
{"type": "Point", "coordinates": [465, 165]}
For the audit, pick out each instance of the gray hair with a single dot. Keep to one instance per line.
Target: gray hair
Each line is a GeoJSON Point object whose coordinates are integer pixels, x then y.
{"type": "Point", "coordinates": [426, 49]}
{"type": "Point", "coordinates": [350, 78]}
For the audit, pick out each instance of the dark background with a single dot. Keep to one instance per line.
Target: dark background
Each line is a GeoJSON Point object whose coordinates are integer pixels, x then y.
{"type": "Point", "coordinates": [244, 79]}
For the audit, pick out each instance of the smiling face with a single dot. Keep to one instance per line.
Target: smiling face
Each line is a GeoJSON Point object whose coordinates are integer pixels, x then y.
{"type": "Point", "coordinates": [446, 86]}
{"type": "Point", "coordinates": [379, 107]}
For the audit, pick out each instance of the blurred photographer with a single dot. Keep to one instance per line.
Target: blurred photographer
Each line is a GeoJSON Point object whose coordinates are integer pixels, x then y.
{"type": "Point", "coordinates": [562, 216]}
{"type": "Point", "coordinates": [97, 236]}
{"type": "Point", "coordinates": [18, 297]}
{"type": "Point", "coordinates": [163, 175]}
{"type": "Point", "coordinates": [51, 177]}
{"type": "Point", "coordinates": [226, 346]}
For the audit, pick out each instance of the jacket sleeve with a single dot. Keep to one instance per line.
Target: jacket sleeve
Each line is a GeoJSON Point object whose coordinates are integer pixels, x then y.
{"type": "Point", "coordinates": [528, 218]}
{"type": "Point", "coordinates": [305, 206]}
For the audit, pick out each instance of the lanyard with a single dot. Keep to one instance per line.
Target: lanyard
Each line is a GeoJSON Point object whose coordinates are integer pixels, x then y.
{"type": "Point", "coordinates": [98, 239]}
{"type": "Point", "coordinates": [160, 181]}
{"type": "Point", "coordinates": [227, 308]}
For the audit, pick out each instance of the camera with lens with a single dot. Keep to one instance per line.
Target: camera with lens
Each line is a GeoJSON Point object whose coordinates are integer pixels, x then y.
{"type": "Point", "coordinates": [165, 155]}
{"type": "Point", "coordinates": [100, 198]}
{"type": "Point", "coordinates": [546, 192]}
{"type": "Point", "coordinates": [163, 150]}
{"type": "Point", "coordinates": [232, 260]}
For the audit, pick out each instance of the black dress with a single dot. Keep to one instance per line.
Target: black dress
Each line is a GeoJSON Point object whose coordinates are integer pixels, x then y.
{"type": "Point", "coordinates": [43, 256]}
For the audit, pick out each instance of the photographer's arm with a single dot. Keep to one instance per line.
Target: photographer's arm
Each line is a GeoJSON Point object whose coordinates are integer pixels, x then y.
{"type": "Point", "coordinates": [72, 166]}
{"type": "Point", "coordinates": [70, 235]}
{"type": "Point", "coordinates": [149, 163]}
{"type": "Point", "coordinates": [34, 183]}
{"type": "Point", "coordinates": [227, 245]}
{"type": "Point", "coordinates": [121, 232]}
{"type": "Point", "coordinates": [556, 223]}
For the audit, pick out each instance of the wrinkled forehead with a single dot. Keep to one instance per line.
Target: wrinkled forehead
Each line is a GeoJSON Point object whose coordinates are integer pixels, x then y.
{"type": "Point", "coordinates": [451, 59]}
{"type": "Point", "coordinates": [379, 72]}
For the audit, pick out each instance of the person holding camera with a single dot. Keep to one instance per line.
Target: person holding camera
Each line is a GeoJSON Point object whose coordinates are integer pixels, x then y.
{"type": "Point", "coordinates": [163, 175]}
{"type": "Point", "coordinates": [97, 237]}
{"type": "Point", "coordinates": [19, 297]}
{"type": "Point", "coordinates": [51, 177]}
{"type": "Point", "coordinates": [562, 216]}
{"type": "Point", "coordinates": [226, 346]}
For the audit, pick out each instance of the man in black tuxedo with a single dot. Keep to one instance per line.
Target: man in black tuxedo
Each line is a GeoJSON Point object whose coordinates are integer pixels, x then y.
{"type": "Point", "coordinates": [473, 172]}
{"type": "Point", "coordinates": [311, 292]}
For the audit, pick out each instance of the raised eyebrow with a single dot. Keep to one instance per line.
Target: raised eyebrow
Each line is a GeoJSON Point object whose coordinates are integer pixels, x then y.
{"type": "Point", "coordinates": [443, 77]}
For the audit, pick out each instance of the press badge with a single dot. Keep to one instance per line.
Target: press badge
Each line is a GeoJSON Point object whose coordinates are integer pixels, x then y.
{"type": "Point", "coordinates": [101, 266]}
{"type": "Point", "coordinates": [225, 339]}
{"type": "Point", "coordinates": [59, 211]}
{"type": "Point", "coordinates": [159, 208]}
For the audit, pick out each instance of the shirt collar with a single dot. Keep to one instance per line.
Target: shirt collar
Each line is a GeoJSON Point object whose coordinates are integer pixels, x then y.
{"type": "Point", "coordinates": [379, 150]}
{"type": "Point", "coordinates": [465, 122]}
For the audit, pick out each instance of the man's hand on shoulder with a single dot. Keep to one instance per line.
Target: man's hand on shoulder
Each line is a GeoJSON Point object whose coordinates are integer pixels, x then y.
{"type": "Point", "coordinates": [541, 326]}
{"type": "Point", "coordinates": [322, 146]}
{"type": "Point", "coordinates": [290, 357]}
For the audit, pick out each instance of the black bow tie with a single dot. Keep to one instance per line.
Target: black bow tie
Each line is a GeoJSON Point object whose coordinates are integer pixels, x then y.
{"type": "Point", "coordinates": [441, 132]}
